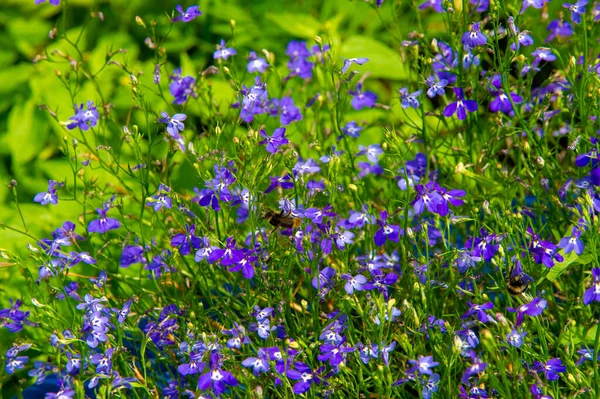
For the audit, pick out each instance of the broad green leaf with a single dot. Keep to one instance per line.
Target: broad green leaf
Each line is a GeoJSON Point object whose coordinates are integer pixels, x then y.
{"type": "Point", "coordinates": [560, 267]}
{"type": "Point", "coordinates": [579, 335]}
{"type": "Point", "coordinates": [27, 131]}
{"type": "Point", "coordinates": [384, 62]}
{"type": "Point", "coordinates": [299, 25]}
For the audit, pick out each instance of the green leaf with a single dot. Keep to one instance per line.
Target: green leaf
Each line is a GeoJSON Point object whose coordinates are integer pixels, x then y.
{"type": "Point", "coordinates": [384, 62]}
{"type": "Point", "coordinates": [299, 25]}
{"type": "Point", "coordinates": [27, 131]}
{"type": "Point", "coordinates": [579, 335]}
{"type": "Point", "coordinates": [560, 267]}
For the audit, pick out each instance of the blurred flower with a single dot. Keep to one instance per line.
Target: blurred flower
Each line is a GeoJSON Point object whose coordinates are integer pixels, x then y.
{"type": "Point", "coordinates": [187, 15]}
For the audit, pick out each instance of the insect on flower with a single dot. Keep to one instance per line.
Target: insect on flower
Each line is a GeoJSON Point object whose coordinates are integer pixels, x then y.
{"type": "Point", "coordinates": [282, 219]}
{"type": "Point", "coordinates": [517, 280]}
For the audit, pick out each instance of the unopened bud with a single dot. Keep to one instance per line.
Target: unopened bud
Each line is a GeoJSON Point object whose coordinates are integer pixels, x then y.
{"type": "Point", "coordinates": [139, 21]}
{"type": "Point", "coordinates": [232, 23]}
{"type": "Point", "coordinates": [540, 162]}
{"type": "Point", "coordinates": [318, 40]}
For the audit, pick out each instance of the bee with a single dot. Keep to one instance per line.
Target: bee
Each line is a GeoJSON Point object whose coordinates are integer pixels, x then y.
{"type": "Point", "coordinates": [517, 283]}
{"type": "Point", "coordinates": [282, 219]}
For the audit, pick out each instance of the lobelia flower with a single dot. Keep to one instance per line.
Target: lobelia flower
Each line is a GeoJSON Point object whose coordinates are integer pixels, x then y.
{"type": "Point", "coordinates": [256, 64]}
{"type": "Point", "coordinates": [275, 141]}
{"type": "Point", "coordinates": [84, 119]}
{"type": "Point", "coordinates": [386, 231]}
{"type": "Point", "coordinates": [351, 129]}
{"type": "Point", "coordinates": [460, 106]}
{"type": "Point", "coordinates": [228, 255]}
{"type": "Point", "coordinates": [515, 338]}
{"type": "Point", "coordinates": [285, 182]}
{"type": "Point", "coordinates": [534, 308]}
{"type": "Point", "coordinates": [577, 10]}
{"type": "Point", "coordinates": [474, 37]}
{"type": "Point", "coordinates": [389, 315]}
{"type": "Point", "coordinates": [239, 336]}
{"type": "Point", "coordinates": [543, 252]}
{"type": "Point", "coordinates": [423, 365]}
{"type": "Point", "coordinates": [479, 311]}
{"type": "Point", "coordinates": [53, 2]}
{"type": "Point", "coordinates": [551, 368]}
{"type": "Point", "coordinates": [335, 353]}
{"type": "Point", "coordinates": [161, 199]}
{"type": "Point", "coordinates": [174, 124]}
{"type": "Point", "coordinates": [558, 29]}
{"type": "Point", "coordinates": [50, 196]}
{"type": "Point", "coordinates": [259, 364]}
{"type": "Point", "coordinates": [593, 293]}
{"type": "Point", "coordinates": [287, 110]}
{"type": "Point", "coordinates": [132, 254]}
{"type": "Point", "coordinates": [435, 4]}
{"type": "Point", "coordinates": [216, 379]}
{"type": "Point", "coordinates": [181, 87]}
{"type": "Point", "coordinates": [350, 61]}
{"type": "Point", "coordinates": [386, 350]}
{"type": "Point", "coordinates": [481, 5]}
{"type": "Point", "coordinates": [104, 223]}
{"type": "Point", "coordinates": [475, 368]}
{"type": "Point", "coordinates": [362, 99]}
{"type": "Point", "coordinates": [353, 283]}
{"type": "Point", "coordinates": [195, 366]}
{"type": "Point", "coordinates": [304, 375]}
{"type": "Point", "coordinates": [531, 3]}
{"type": "Point", "coordinates": [301, 167]}
{"type": "Point", "coordinates": [542, 54]}
{"type": "Point", "coordinates": [188, 15]}
{"type": "Point", "coordinates": [436, 86]}
{"type": "Point", "coordinates": [409, 100]}
{"type": "Point", "coordinates": [465, 261]}
{"type": "Point", "coordinates": [223, 52]}
{"type": "Point", "coordinates": [367, 352]}
{"type": "Point", "coordinates": [538, 392]}
{"type": "Point", "coordinates": [186, 241]}
{"type": "Point", "coordinates": [573, 243]}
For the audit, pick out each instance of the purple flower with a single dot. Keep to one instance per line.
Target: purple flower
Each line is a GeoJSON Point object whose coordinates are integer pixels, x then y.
{"type": "Point", "coordinates": [195, 366]}
{"type": "Point", "coordinates": [543, 54]}
{"type": "Point", "coordinates": [550, 369]}
{"type": "Point", "coordinates": [53, 2]}
{"type": "Point", "coordinates": [572, 243]}
{"type": "Point", "coordinates": [304, 375]}
{"type": "Point", "coordinates": [523, 39]}
{"type": "Point", "coordinates": [409, 100]}
{"type": "Point", "coordinates": [366, 352]}
{"type": "Point", "coordinates": [103, 223]}
{"type": "Point", "coordinates": [474, 37]}
{"type": "Point", "coordinates": [385, 352]}
{"type": "Point", "coordinates": [351, 129]}
{"type": "Point", "coordinates": [515, 338]}
{"type": "Point", "coordinates": [353, 283]}
{"type": "Point", "coordinates": [132, 254]}
{"type": "Point", "coordinates": [533, 308]}
{"type": "Point", "coordinates": [593, 293]}
{"type": "Point", "coordinates": [181, 87]}
{"type": "Point", "coordinates": [460, 106]}
{"type": "Point", "coordinates": [174, 124]}
{"type": "Point", "coordinates": [501, 102]}
{"type": "Point", "coordinates": [350, 61]}
{"type": "Point", "coordinates": [436, 86]}
{"type": "Point", "coordinates": [577, 10]}
{"type": "Point", "coordinates": [285, 182]}
{"type": "Point", "coordinates": [259, 364]}
{"type": "Point", "coordinates": [475, 368]}
{"type": "Point", "coordinates": [386, 231]}
{"type": "Point", "coordinates": [558, 28]}
{"type": "Point", "coordinates": [435, 4]}
{"type": "Point", "coordinates": [532, 3]}
{"type": "Point", "coordinates": [287, 110]}
{"type": "Point", "coordinates": [187, 15]}
{"type": "Point", "coordinates": [217, 378]}
{"type": "Point", "coordinates": [275, 141]}
{"type": "Point", "coordinates": [84, 119]}
{"type": "Point", "coordinates": [186, 241]}
{"type": "Point", "coordinates": [161, 199]}
{"type": "Point", "coordinates": [301, 167]}
{"type": "Point", "coordinates": [480, 311]}
{"type": "Point", "coordinates": [301, 67]}
{"type": "Point", "coordinates": [335, 353]}
{"type": "Point", "coordinates": [256, 64]}
{"type": "Point", "coordinates": [50, 196]}
{"type": "Point", "coordinates": [423, 365]}
{"type": "Point", "coordinates": [362, 99]}
{"type": "Point", "coordinates": [223, 52]}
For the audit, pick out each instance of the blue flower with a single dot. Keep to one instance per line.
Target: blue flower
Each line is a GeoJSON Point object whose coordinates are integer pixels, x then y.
{"type": "Point", "coordinates": [84, 119]}
{"type": "Point", "coordinates": [224, 52]}
{"type": "Point", "coordinates": [187, 15]}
